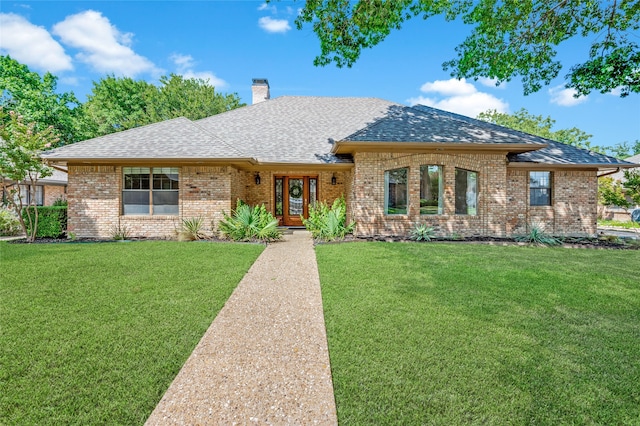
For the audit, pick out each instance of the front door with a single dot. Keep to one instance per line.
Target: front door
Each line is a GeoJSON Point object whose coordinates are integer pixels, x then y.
{"type": "Point", "coordinates": [292, 197]}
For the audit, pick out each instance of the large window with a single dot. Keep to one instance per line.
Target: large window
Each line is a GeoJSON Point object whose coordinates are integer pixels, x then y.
{"type": "Point", "coordinates": [540, 188]}
{"type": "Point", "coordinates": [396, 197]}
{"type": "Point", "coordinates": [26, 195]}
{"type": "Point", "coordinates": [431, 190]}
{"type": "Point", "coordinates": [150, 191]}
{"type": "Point", "coordinates": [466, 192]}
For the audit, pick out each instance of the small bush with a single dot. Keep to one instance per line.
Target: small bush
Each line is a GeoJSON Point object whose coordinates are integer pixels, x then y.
{"type": "Point", "coordinates": [120, 232]}
{"type": "Point", "coordinates": [60, 202]}
{"type": "Point", "coordinates": [9, 223]}
{"type": "Point", "coordinates": [422, 233]}
{"type": "Point", "coordinates": [52, 220]}
{"type": "Point", "coordinates": [536, 235]}
{"type": "Point", "coordinates": [191, 229]}
{"type": "Point", "coordinates": [326, 223]}
{"type": "Point", "coordinates": [249, 223]}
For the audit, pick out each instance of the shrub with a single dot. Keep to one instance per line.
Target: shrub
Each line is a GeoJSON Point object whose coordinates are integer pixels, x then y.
{"type": "Point", "coordinates": [249, 223]}
{"type": "Point", "coordinates": [9, 222]}
{"type": "Point", "coordinates": [52, 220]}
{"type": "Point", "coordinates": [60, 202]}
{"type": "Point", "coordinates": [191, 229]}
{"type": "Point", "coordinates": [326, 223]}
{"type": "Point", "coordinates": [422, 233]}
{"type": "Point", "coordinates": [536, 235]}
{"type": "Point", "coordinates": [120, 232]}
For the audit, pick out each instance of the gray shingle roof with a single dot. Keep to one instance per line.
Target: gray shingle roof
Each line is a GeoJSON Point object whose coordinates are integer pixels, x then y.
{"type": "Point", "coordinates": [303, 130]}
{"type": "Point", "coordinates": [295, 129]}
{"type": "Point", "coordinates": [176, 138]}
{"type": "Point", "coordinates": [425, 124]}
{"type": "Point", "coordinates": [559, 153]}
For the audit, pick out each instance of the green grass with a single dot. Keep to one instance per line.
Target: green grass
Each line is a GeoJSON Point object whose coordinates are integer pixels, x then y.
{"type": "Point", "coordinates": [466, 334]}
{"type": "Point", "coordinates": [619, 224]}
{"type": "Point", "coordinates": [95, 333]}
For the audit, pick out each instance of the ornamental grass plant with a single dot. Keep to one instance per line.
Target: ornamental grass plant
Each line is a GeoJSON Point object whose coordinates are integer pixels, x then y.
{"type": "Point", "coordinates": [328, 223]}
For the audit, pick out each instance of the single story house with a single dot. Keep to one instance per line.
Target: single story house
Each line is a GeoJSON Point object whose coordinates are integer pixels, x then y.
{"type": "Point", "coordinates": [397, 166]}
{"type": "Point", "coordinates": [46, 190]}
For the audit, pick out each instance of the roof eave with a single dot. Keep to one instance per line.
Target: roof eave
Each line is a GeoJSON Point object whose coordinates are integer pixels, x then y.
{"type": "Point", "coordinates": [349, 147]}
{"type": "Point", "coordinates": [531, 165]}
{"type": "Point", "coordinates": [148, 160]}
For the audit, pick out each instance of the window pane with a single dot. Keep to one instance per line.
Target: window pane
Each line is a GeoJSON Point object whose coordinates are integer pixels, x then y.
{"type": "Point", "coordinates": [396, 191]}
{"type": "Point", "coordinates": [39, 195]}
{"type": "Point", "coordinates": [279, 197]}
{"type": "Point", "coordinates": [296, 191]}
{"type": "Point", "coordinates": [466, 192]}
{"type": "Point", "coordinates": [136, 178]}
{"type": "Point", "coordinates": [135, 202]}
{"type": "Point", "coordinates": [313, 190]}
{"type": "Point", "coordinates": [431, 190]}
{"type": "Point", "coordinates": [540, 188]}
{"type": "Point", "coordinates": [165, 178]}
{"type": "Point", "coordinates": [165, 203]}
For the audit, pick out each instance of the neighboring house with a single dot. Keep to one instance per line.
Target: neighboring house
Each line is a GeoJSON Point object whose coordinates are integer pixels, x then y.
{"type": "Point", "coordinates": [47, 190]}
{"type": "Point", "coordinates": [396, 165]}
{"type": "Point", "coordinates": [620, 213]}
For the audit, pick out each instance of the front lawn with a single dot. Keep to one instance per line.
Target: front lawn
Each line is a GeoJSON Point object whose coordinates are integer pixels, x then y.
{"type": "Point", "coordinates": [95, 333]}
{"type": "Point", "coordinates": [473, 334]}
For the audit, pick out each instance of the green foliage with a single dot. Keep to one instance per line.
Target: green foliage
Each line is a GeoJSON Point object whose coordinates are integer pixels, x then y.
{"type": "Point", "coordinates": [121, 103]}
{"type": "Point", "coordinates": [60, 202]}
{"type": "Point", "coordinates": [326, 223]}
{"type": "Point", "coordinates": [9, 222]}
{"type": "Point", "coordinates": [52, 220]}
{"type": "Point", "coordinates": [624, 150]}
{"type": "Point", "coordinates": [120, 232]}
{"type": "Point", "coordinates": [610, 193]}
{"type": "Point", "coordinates": [35, 98]}
{"type": "Point", "coordinates": [632, 185]}
{"type": "Point", "coordinates": [422, 232]}
{"type": "Point", "coordinates": [537, 235]}
{"type": "Point", "coordinates": [20, 163]}
{"type": "Point", "coordinates": [541, 126]}
{"type": "Point", "coordinates": [508, 39]}
{"type": "Point", "coordinates": [191, 229]}
{"type": "Point", "coordinates": [248, 223]}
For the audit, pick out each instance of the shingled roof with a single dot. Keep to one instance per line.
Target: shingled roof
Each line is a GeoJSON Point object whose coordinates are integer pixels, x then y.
{"type": "Point", "coordinates": [304, 130]}
{"type": "Point", "coordinates": [179, 138]}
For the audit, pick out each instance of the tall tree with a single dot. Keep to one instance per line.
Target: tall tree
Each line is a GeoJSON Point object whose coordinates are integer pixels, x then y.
{"type": "Point", "coordinates": [624, 150]}
{"type": "Point", "coordinates": [541, 126]}
{"type": "Point", "coordinates": [189, 97]}
{"type": "Point", "coordinates": [20, 164]}
{"type": "Point", "coordinates": [508, 38]}
{"type": "Point", "coordinates": [121, 103]}
{"type": "Point", "coordinates": [36, 100]}
{"type": "Point", "coordinates": [115, 104]}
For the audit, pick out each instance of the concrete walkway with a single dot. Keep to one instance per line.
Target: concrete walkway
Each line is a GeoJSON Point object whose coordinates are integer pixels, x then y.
{"type": "Point", "coordinates": [264, 359]}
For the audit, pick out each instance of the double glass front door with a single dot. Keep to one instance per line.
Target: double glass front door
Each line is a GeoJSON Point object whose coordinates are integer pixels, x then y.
{"type": "Point", "coordinates": [293, 194]}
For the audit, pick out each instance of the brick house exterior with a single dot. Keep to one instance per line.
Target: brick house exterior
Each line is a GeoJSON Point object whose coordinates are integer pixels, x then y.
{"type": "Point", "coordinates": [396, 166]}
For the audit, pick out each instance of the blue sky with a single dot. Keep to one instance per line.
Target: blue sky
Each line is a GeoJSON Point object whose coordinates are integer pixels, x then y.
{"type": "Point", "coordinates": [231, 42]}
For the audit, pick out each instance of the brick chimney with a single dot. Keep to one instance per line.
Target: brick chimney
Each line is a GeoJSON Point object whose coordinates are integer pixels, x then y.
{"type": "Point", "coordinates": [260, 90]}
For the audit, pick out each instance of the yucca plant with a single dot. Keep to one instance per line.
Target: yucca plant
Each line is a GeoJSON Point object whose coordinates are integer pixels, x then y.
{"type": "Point", "coordinates": [250, 223]}
{"type": "Point", "coordinates": [120, 232]}
{"type": "Point", "coordinates": [191, 229]}
{"type": "Point", "coordinates": [537, 235]}
{"type": "Point", "coordinates": [422, 233]}
{"type": "Point", "coordinates": [328, 223]}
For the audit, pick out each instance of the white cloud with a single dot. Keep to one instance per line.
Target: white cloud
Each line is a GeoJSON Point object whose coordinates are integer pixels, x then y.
{"type": "Point", "coordinates": [271, 25]}
{"type": "Point", "coordinates": [458, 96]}
{"type": "Point", "coordinates": [185, 64]}
{"type": "Point", "coordinates": [31, 45]}
{"type": "Point", "coordinates": [565, 97]}
{"type": "Point", "coordinates": [491, 82]}
{"type": "Point", "coordinates": [102, 45]}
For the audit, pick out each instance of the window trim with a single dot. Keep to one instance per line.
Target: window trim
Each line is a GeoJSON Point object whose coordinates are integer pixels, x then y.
{"type": "Point", "coordinates": [549, 188]}
{"type": "Point", "coordinates": [150, 190]}
{"type": "Point", "coordinates": [386, 191]}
